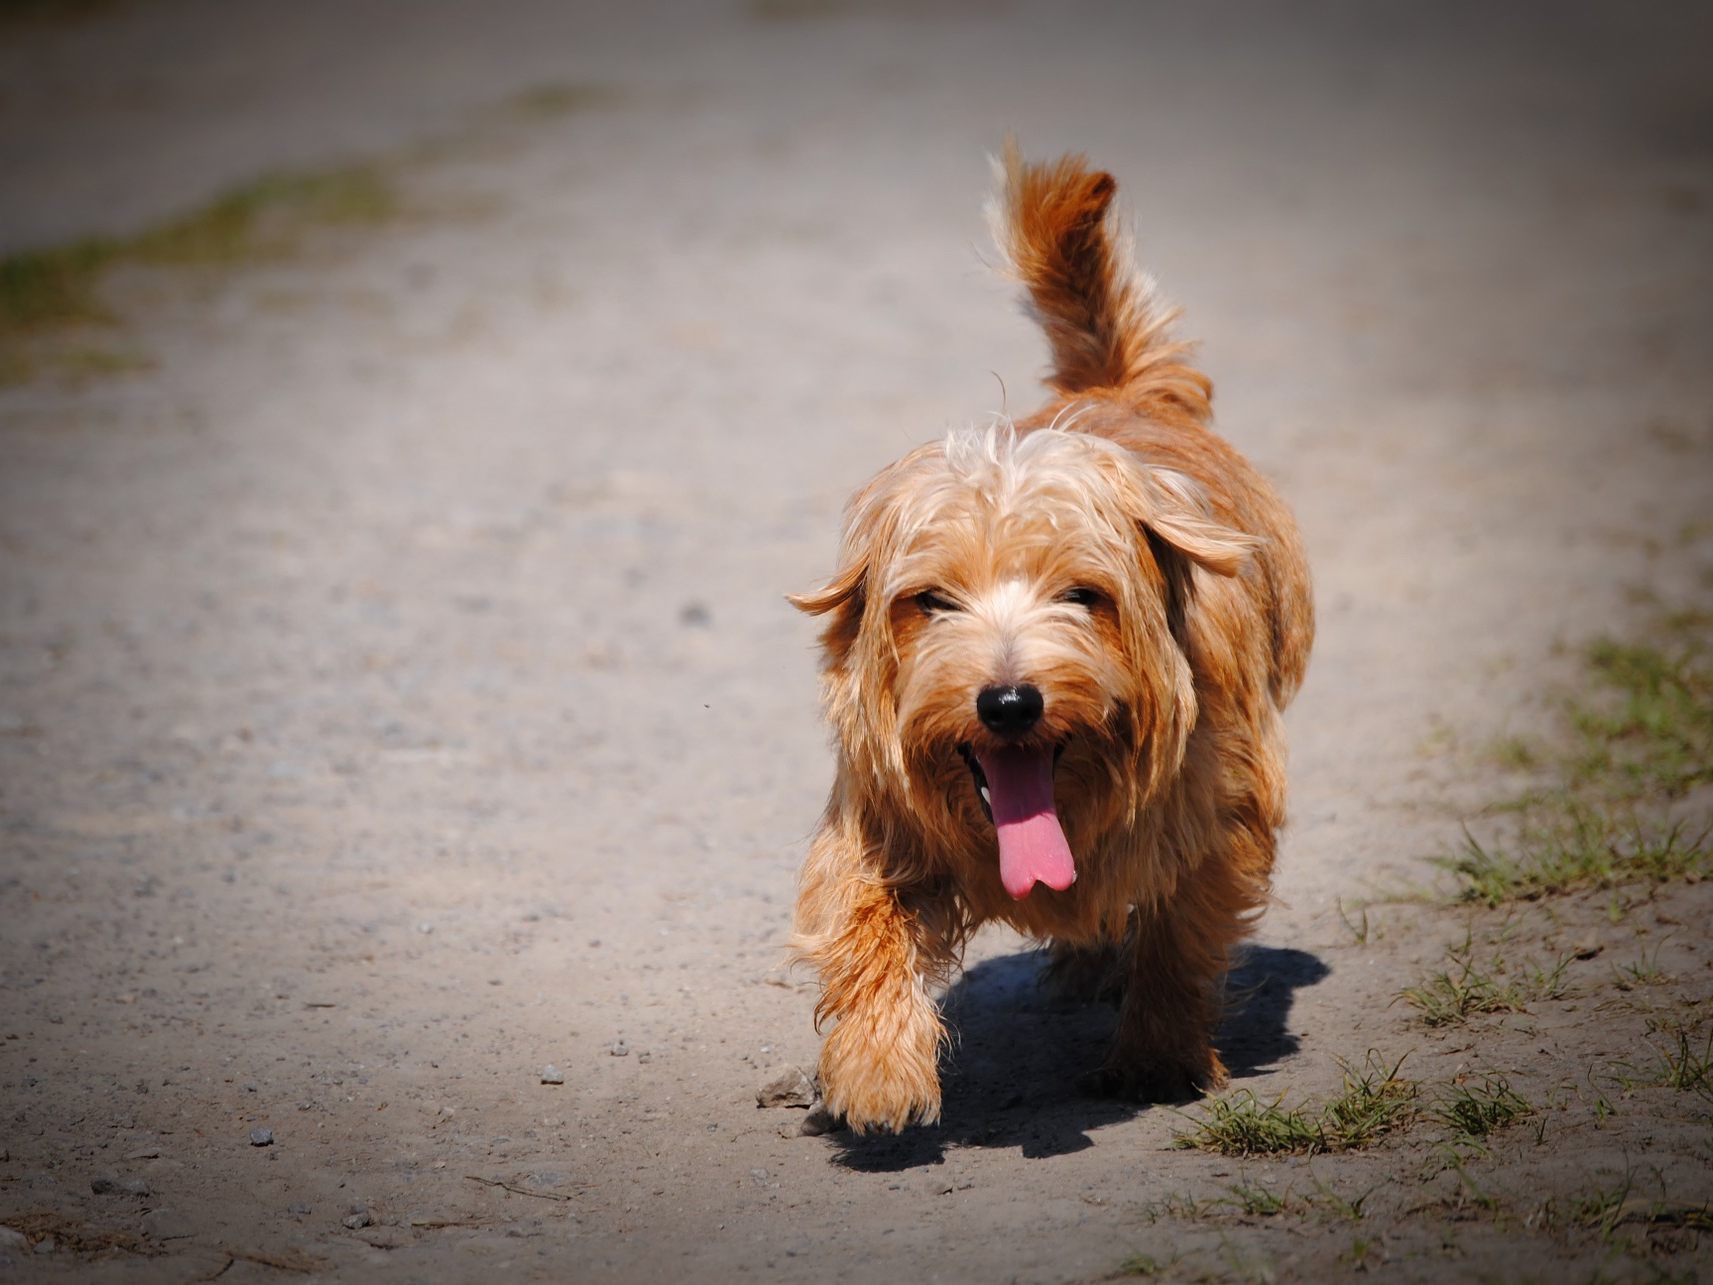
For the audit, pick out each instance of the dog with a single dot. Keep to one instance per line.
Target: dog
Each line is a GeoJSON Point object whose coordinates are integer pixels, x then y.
{"type": "Point", "coordinates": [1055, 656]}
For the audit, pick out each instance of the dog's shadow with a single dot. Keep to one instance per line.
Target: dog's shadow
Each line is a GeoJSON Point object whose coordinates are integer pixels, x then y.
{"type": "Point", "coordinates": [1018, 1052]}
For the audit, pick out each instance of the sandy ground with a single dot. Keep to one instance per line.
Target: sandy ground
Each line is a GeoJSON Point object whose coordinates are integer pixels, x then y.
{"type": "Point", "coordinates": [397, 694]}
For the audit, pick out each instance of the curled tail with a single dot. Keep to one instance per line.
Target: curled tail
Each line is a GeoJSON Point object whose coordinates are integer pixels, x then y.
{"type": "Point", "coordinates": [1054, 227]}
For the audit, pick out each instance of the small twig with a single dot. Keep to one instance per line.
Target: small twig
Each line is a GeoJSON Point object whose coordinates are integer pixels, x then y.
{"type": "Point", "coordinates": [521, 1191]}
{"type": "Point", "coordinates": [303, 1264]}
{"type": "Point", "coordinates": [435, 1224]}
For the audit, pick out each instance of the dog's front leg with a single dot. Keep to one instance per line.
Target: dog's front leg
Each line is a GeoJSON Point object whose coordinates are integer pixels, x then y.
{"type": "Point", "coordinates": [1164, 1049]}
{"type": "Point", "coordinates": [880, 1062]}
{"type": "Point", "coordinates": [1179, 950]}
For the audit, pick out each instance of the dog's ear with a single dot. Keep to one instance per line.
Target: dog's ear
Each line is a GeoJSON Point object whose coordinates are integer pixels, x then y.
{"type": "Point", "coordinates": [840, 591]}
{"type": "Point", "coordinates": [1183, 535]}
{"type": "Point", "coordinates": [843, 597]}
{"type": "Point", "coordinates": [1177, 514]}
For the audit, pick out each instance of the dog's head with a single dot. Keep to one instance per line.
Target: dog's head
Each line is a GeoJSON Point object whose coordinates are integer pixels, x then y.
{"type": "Point", "coordinates": [1004, 654]}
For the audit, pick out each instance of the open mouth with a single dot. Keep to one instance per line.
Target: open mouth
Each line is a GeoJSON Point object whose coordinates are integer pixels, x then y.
{"type": "Point", "coordinates": [1015, 786]}
{"type": "Point", "coordinates": [980, 777]}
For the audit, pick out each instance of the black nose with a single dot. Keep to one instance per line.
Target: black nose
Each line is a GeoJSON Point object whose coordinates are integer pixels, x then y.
{"type": "Point", "coordinates": [1010, 711]}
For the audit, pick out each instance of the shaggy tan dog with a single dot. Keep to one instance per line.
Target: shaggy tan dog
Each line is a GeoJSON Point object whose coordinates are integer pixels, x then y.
{"type": "Point", "coordinates": [1056, 653]}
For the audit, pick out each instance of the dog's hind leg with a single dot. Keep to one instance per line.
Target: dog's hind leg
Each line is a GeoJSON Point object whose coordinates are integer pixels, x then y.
{"type": "Point", "coordinates": [876, 957]}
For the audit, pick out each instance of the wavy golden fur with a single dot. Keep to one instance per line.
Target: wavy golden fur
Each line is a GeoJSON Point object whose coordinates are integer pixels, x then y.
{"type": "Point", "coordinates": [1115, 554]}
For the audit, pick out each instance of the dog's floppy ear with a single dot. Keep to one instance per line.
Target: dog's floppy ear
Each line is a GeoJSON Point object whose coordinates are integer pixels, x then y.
{"type": "Point", "coordinates": [1176, 513]}
{"type": "Point", "coordinates": [843, 597]}
{"type": "Point", "coordinates": [843, 589]}
{"type": "Point", "coordinates": [1183, 535]}
{"type": "Point", "coordinates": [869, 528]}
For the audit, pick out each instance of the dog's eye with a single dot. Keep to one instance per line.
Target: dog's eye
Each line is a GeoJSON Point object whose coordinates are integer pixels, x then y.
{"type": "Point", "coordinates": [1081, 596]}
{"type": "Point", "coordinates": [931, 602]}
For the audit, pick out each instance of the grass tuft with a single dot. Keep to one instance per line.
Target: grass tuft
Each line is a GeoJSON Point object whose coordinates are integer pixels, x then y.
{"type": "Point", "coordinates": [1640, 735]}
{"type": "Point", "coordinates": [1257, 1202]}
{"type": "Point", "coordinates": [47, 291]}
{"type": "Point", "coordinates": [1647, 727]}
{"type": "Point", "coordinates": [53, 287]}
{"type": "Point", "coordinates": [1452, 996]}
{"type": "Point", "coordinates": [1375, 1101]}
{"type": "Point", "coordinates": [1579, 846]}
{"type": "Point", "coordinates": [1686, 1062]}
{"type": "Point", "coordinates": [547, 101]}
{"type": "Point", "coordinates": [264, 219]}
{"type": "Point", "coordinates": [1646, 971]}
{"type": "Point", "coordinates": [1139, 1265]}
{"type": "Point", "coordinates": [1474, 1110]}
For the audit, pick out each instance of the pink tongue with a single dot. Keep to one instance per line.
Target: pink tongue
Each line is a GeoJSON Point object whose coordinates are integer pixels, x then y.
{"type": "Point", "coordinates": [1032, 847]}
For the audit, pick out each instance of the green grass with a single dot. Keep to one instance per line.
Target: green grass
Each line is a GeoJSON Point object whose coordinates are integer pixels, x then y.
{"type": "Point", "coordinates": [53, 287]}
{"type": "Point", "coordinates": [266, 218]}
{"type": "Point", "coordinates": [1475, 1109]}
{"type": "Point", "coordinates": [1644, 972]}
{"type": "Point", "coordinates": [1358, 927]}
{"type": "Point", "coordinates": [48, 291]}
{"type": "Point", "coordinates": [1605, 1209]}
{"type": "Point", "coordinates": [1452, 996]}
{"type": "Point", "coordinates": [547, 101]}
{"type": "Point", "coordinates": [1578, 846]}
{"type": "Point", "coordinates": [1257, 1202]}
{"type": "Point", "coordinates": [1638, 739]}
{"type": "Point", "coordinates": [1139, 1265]}
{"type": "Point", "coordinates": [1375, 1101]}
{"type": "Point", "coordinates": [1647, 727]}
{"type": "Point", "coordinates": [1685, 1063]}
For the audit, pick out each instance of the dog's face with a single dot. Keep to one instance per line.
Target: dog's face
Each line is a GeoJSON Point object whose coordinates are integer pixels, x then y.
{"type": "Point", "coordinates": [1004, 662]}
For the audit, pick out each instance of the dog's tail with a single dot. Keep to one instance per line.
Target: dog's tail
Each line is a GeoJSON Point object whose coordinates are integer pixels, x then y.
{"type": "Point", "coordinates": [1057, 235]}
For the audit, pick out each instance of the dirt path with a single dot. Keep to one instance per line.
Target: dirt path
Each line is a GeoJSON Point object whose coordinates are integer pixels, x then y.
{"type": "Point", "coordinates": [396, 690]}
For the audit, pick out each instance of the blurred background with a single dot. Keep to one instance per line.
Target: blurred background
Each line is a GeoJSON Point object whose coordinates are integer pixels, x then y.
{"type": "Point", "coordinates": [412, 415]}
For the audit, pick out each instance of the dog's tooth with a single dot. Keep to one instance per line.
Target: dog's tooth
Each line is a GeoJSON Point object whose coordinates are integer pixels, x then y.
{"type": "Point", "coordinates": [985, 798]}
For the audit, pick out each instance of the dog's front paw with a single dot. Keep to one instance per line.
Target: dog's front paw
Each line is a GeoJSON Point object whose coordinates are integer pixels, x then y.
{"type": "Point", "coordinates": [879, 1087]}
{"type": "Point", "coordinates": [1157, 1079]}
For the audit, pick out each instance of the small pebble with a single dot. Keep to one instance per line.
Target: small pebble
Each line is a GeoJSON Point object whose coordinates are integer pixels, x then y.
{"type": "Point", "coordinates": [618, 1048]}
{"type": "Point", "coordinates": [362, 1218]}
{"type": "Point", "coordinates": [12, 1239]}
{"type": "Point", "coordinates": [551, 1074]}
{"type": "Point", "coordinates": [166, 1224]}
{"type": "Point", "coordinates": [790, 1088]}
{"type": "Point", "coordinates": [261, 1137]}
